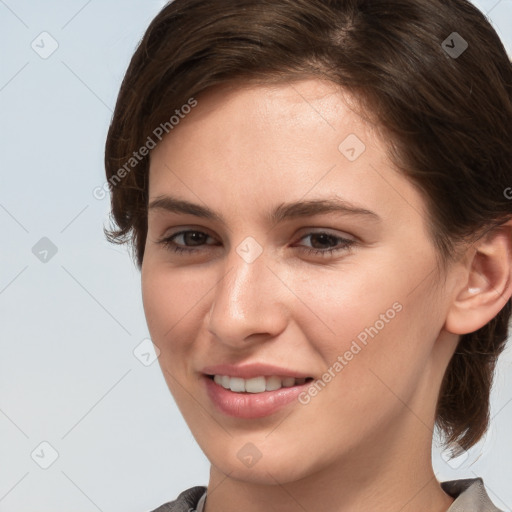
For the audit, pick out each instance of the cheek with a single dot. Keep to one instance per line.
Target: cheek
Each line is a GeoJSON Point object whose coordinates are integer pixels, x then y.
{"type": "Point", "coordinates": [375, 323]}
{"type": "Point", "coordinates": [169, 295]}
{"type": "Point", "coordinates": [171, 303]}
{"type": "Point", "coordinates": [352, 303]}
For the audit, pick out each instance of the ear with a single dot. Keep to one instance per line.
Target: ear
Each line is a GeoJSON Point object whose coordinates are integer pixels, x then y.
{"type": "Point", "coordinates": [486, 285]}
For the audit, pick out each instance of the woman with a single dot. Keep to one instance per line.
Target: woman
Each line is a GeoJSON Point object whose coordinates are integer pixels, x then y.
{"type": "Point", "coordinates": [316, 194]}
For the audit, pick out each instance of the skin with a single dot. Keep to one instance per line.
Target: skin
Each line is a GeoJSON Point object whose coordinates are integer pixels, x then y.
{"type": "Point", "coordinates": [364, 441]}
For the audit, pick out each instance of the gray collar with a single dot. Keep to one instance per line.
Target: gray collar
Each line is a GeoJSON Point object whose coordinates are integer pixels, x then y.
{"type": "Point", "coordinates": [470, 496]}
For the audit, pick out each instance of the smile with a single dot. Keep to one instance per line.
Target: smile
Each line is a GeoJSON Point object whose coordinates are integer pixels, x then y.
{"type": "Point", "coordinates": [255, 397]}
{"type": "Point", "coordinates": [257, 384]}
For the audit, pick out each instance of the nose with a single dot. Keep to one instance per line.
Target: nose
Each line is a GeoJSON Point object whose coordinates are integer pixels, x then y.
{"type": "Point", "coordinates": [248, 303]}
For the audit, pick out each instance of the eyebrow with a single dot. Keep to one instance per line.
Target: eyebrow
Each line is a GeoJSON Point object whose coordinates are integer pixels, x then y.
{"type": "Point", "coordinates": [285, 211]}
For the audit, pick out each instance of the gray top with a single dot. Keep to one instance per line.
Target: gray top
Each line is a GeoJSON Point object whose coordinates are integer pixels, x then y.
{"type": "Point", "coordinates": [470, 496]}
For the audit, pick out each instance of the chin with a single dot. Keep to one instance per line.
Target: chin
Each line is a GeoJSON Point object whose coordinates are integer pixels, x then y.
{"type": "Point", "coordinates": [264, 468]}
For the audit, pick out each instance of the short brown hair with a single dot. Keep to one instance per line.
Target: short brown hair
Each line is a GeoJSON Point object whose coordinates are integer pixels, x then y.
{"type": "Point", "coordinates": [447, 118]}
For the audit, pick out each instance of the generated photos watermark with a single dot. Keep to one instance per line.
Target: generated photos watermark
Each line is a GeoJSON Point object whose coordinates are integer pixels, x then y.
{"type": "Point", "coordinates": [158, 133]}
{"type": "Point", "coordinates": [356, 346]}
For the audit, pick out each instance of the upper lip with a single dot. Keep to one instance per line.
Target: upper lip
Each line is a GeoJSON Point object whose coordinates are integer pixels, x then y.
{"type": "Point", "coordinates": [249, 371]}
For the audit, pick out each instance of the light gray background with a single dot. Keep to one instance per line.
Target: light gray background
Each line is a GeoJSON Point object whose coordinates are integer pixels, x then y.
{"type": "Point", "coordinates": [69, 326]}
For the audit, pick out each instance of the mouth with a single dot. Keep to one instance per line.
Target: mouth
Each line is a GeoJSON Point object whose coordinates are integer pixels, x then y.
{"type": "Point", "coordinates": [255, 397]}
{"type": "Point", "coordinates": [258, 384]}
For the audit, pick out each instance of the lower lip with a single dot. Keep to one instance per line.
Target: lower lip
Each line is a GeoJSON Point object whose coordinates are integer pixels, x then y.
{"type": "Point", "coordinates": [251, 405]}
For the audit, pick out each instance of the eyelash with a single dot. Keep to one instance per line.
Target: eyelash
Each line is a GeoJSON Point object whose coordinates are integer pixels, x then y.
{"type": "Point", "coordinates": [346, 243]}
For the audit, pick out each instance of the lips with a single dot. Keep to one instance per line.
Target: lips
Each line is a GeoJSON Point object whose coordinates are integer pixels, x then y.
{"type": "Point", "coordinates": [252, 391]}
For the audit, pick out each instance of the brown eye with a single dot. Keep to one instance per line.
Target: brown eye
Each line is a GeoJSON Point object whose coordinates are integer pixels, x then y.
{"type": "Point", "coordinates": [326, 244]}
{"type": "Point", "coordinates": [187, 240]}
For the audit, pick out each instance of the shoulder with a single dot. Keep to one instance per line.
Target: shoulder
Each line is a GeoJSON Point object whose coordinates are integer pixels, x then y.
{"type": "Point", "coordinates": [470, 496]}
{"type": "Point", "coordinates": [185, 502]}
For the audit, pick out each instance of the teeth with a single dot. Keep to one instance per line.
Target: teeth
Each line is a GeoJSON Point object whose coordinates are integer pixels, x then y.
{"type": "Point", "coordinates": [288, 382]}
{"type": "Point", "coordinates": [256, 384]}
{"type": "Point", "coordinates": [237, 384]}
{"type": "Point", "coordinates": [273, 383]}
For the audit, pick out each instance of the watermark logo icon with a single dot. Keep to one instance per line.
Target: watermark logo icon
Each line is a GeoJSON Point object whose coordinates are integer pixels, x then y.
{"type": "Point", "coordinates": [146, 352]}
{"type": "Point", "coordinates": [352, 147]}
{"type": "Point", "coordinates": [454, 455]}
{"type": "Point", "coordinates": [249, 455]}
{"type": "Point", "coordinates": [44, 250]}
{"type": "Point", "coordinates": [454, 45]}
{"type": "Point", "coordinates": [44, 455]}
{"type": "Point", "coordinates": [249, 249]}
{"type": "Point", "coordinates": [44, 45]}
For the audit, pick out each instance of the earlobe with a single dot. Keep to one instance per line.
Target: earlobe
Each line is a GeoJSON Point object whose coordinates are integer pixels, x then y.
{"type": "Point", "coordinates": [487, 283]}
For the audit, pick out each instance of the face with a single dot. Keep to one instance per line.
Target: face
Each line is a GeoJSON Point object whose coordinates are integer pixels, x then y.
{"type": "Point", "coordinates": [287, 257]}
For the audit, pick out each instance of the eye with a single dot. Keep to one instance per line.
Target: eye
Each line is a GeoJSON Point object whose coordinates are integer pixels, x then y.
{"type": "Point", "coordinates": [190, 241]}
{"type": "Point", "coordinates": [326, 244]}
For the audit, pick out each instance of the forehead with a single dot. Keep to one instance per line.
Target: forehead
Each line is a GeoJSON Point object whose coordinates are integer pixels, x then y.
{"type": "Point", "coordinates": [287, 139]}
{"type": "Point", "coordinates": [310, 100]}
{"type": "Point", "coordinates": [235, 120]}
